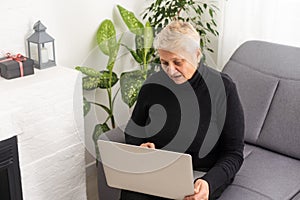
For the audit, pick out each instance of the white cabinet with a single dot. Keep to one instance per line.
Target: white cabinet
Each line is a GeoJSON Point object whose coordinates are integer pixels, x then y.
{"type": "Point", "coordinates": [44, 110]}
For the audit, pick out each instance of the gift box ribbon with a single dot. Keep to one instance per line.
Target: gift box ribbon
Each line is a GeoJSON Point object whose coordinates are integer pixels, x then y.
{"type": "Point", "coordinates": [19, 58]}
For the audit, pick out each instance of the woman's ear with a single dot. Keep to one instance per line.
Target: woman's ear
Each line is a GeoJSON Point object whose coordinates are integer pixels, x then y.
{"type": "Point", "coordinates": [199, 55]}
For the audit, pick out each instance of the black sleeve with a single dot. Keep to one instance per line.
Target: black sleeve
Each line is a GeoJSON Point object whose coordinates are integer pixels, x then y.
{"type": "Point", "coordinates": [231, 144]}
{"type": "Point", "coordinates": [135, 128]}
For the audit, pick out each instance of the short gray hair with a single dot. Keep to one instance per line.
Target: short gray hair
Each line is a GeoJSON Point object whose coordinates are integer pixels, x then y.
{"type": "Point", "coordinates": [181, 38]}
{"type": "Point", "coordinates": [178, 36]}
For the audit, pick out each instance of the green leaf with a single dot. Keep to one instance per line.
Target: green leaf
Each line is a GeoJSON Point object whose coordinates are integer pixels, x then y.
{"type": "Point", "coordinates": [211, 13]}
{"type": "Point", "coordinates": [200, 9]}
{"type": "Point", "coordinates": [113, 55]}
{"type": "Point", "coordinates": [150, 54]}
{"type": "Point", "coordinates": [136, 57]}
{"type": "Point", "coordinates": [131, 83]}
{"type": "Point", "coordinates": [144, 16]}
{"type": "Point", "coordinates": [102, 81]}
{"type": "Point", "coordinates": [139, 45]}
{"type": "Point", "coordinates": [86, 106]}
{"type": "Point", "coordinates": [106, 37]}
{"type": "Point", "coordinates": [110, 63]}
{"type": "Point", "coordinates": [88, 71]}
{"type": "Point", "coordinates": [133, 24]}
{"type": "Point", "coordinates": [214, 22]}
{"type": "Point", "coordinates": [105, 108]}
{"type": "Point", "coordinates": [105, 78]}
{"type": "Point", "coordinates": [158, 2]}
{"type": "Point", "coordinates": [209, 49]}
{"type": "Point", "coordinates": [148, 36]}
{"type": "Point", "coordinates": [210, 29]}
{"type": "Point", "coordinates": [90, 83]}
{"type": "Point", "coordinates": [201, 43]}
{"type": "Point", "coordinates": [98, 130]}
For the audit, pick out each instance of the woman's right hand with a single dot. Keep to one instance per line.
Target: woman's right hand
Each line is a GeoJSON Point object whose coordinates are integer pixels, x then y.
{"type": "Point", "coordinates": [148, 145]}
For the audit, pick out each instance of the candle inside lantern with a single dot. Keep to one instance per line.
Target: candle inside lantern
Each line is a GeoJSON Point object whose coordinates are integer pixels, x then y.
{"type": "Point", "coordinates": [44, 55]}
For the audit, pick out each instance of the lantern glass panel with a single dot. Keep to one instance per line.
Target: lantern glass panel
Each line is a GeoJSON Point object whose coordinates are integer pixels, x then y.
{"type": "Point", "coordinates": [33, 47]}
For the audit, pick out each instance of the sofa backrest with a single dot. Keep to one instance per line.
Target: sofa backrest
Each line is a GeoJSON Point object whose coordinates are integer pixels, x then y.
{"type": "Point", "coordinates": [267, 76]}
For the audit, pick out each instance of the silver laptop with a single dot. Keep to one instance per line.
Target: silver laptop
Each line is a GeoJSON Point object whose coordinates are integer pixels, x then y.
{"type": "Point", "coordinates": [151, 171]}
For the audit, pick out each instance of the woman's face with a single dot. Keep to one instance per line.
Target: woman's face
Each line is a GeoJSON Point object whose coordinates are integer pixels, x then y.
{"type": "Point", "coordinates": [178, 68]}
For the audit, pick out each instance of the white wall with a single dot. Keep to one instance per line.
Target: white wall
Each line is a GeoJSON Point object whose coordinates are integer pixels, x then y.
{"type": "Point", "coordinates": [212, 58]}
{"type": "Point", "coordinates": [73, 24]}
{"type": "Point", "coordinates": [269, 20]}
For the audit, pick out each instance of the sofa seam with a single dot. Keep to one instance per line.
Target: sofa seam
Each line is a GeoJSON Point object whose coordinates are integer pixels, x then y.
{"type": "Point", "coordinates": [249, 154]}
{"type": "Point", "coordinates": [260, 147]}
{"type": "Point", "coordinates": [262, 72]}
{"type": "Point", "coordinates": [268, 111]}
{"type": "Point", "coordinates": [252, 190]}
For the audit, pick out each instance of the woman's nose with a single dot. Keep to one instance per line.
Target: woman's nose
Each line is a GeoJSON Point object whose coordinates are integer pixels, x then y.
{"type": "Point", "coordinates": [172, 69]}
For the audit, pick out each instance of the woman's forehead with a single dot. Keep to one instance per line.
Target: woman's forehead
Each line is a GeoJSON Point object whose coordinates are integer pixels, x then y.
{"type": "Point", "coordinates": [169, 55]}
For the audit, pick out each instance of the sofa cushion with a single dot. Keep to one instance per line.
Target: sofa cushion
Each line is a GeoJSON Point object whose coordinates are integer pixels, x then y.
{"type": "Point", "coordinates": [241, 193]}
{"type": "Point", "coordinates": [281, 130]}
{"type": "Point", "coordinates": [297, 197]}
{"type": "Point", "coordinates": [265, 175]}
{"type": "Point", "coordinates": [256, 91]}
{"type": "Point", "coordinates": [269, 58]}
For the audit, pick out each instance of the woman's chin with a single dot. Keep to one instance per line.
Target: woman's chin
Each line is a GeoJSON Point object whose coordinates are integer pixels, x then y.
{"type": "Point", "coordinates": [179, 80]}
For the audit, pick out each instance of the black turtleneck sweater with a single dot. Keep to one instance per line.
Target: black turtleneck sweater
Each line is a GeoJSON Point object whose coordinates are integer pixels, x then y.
{"type": "Point", "coordinates": [202, 117]}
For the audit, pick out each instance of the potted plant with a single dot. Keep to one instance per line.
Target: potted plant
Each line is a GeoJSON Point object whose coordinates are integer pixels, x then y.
{"type": "Point", "coordinates": [199, 13]}
{"type": "Point", "coordinates": [130, 82]}
{"type": "Point", "coordinates": [105, 79]}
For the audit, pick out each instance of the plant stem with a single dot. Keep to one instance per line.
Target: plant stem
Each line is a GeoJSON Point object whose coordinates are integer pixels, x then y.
{"type": "Point", "coordinates": [110, 100]}
{"type": "Point", "coordinates": [145, 65]}
{"type": "Point", "coordinates": [109, 94]}
{"type": "Point", "coordinates": [178, 14]}
{"type": "Point", "coordinates": [113, 124]}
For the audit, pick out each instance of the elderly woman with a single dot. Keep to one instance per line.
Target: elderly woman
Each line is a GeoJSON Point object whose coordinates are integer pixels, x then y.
{"type": "Point", "coordinates": [188, 107]}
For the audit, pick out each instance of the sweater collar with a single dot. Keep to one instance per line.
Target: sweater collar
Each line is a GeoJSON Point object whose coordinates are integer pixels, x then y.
{"type": "Point", "coordinates": [196, 80]}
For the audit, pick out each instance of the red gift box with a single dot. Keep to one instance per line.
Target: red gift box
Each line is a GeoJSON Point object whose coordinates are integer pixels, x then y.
{"type": "Point", "coordinates": [13, 66]}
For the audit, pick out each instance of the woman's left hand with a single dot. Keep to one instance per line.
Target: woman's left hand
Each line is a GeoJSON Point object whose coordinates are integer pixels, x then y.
{"type": "Point", "coordinates": [201, 191]}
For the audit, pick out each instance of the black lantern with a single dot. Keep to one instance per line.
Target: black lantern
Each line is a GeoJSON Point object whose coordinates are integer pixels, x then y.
{"type": "Point", "coordinates": [41, 47]}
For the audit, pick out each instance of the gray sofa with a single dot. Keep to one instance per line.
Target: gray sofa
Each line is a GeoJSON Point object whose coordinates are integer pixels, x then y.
{"type": "Point", "coordinates": [267, 76]}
